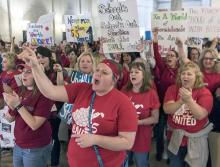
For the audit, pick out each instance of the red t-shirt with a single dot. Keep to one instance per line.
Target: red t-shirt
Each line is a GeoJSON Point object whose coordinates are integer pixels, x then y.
{"type": "Point", "coordinates": [112, 113]}
{"type": "Point", "coordinates": [212, 80]}
{"type": "Point", "coordinates": [37, 105]}
{"type": "Point", "coordinates": [144, 104]}
{"type": "Point", "coordinates": [9, 79]}
{"type": "Point", "coordinates": [182, 118]}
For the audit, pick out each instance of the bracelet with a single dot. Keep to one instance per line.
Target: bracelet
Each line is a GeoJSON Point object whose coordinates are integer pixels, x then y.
{"type": "Point", "coordinates": [18, 107]}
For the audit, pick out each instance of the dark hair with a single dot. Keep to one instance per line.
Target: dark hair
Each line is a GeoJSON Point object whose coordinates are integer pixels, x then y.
{"type": "Point", "coordinates": [44, 51]}
{"type": "Point", "coordinates": [132, 54]}
{"type": "Point", "coordinates": [147, 78]}
{"type": "Point", "coordinates": [70, 50]}
{"type": "Point", "coordinates": [190, 51]}
{"type": "Point", "coordinates": [2, 43]}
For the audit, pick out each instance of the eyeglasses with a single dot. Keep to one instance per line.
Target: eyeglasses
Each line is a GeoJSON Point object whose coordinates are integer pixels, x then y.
{"type": "Point", "coordinates": [209, 58]}
{"type": "Point", "coordinates": [171, 55]}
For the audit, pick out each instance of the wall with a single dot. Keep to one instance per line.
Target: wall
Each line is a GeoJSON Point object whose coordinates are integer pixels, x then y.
{"type": "Point", "coordinates": [24, 11]}
{"type": "Point", "coordinates": [215, 3]}
{"type": "Point", "coordinates": [4, 28]}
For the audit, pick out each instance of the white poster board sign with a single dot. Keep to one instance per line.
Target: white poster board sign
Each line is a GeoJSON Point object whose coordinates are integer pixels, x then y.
{"type": "Point", "coordinates": [6, 131]}
{"type": "Point", "coordinates": [171, 24]}
{"type": "Point", "coordinates": [119, 25]}
{"type": "Point", "coordinates": [39, 34]}
{"type": "Point", "coordinates": [203, 22]}
{"type": "Point", "coordinates": [78, 28]}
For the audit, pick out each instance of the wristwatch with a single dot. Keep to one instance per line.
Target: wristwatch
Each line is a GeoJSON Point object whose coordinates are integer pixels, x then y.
{"type": "Point", "coordinates": [18, 107]}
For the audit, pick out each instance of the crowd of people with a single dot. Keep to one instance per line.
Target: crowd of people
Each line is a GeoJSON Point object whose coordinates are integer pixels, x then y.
{"type": "Point", "coordinates": [119, 102]}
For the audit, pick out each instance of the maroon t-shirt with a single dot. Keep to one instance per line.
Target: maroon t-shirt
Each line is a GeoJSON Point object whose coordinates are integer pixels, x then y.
{"type": "Point", "coordinates": [144, 103]}
{"type": "Point", "coordinates": [37, 105]}
{"type": "Point", "coordinates": [164, 75]}
{"type": "Point", "coordinates": [182, 118]}
{"type": "Point", "coordinates": [112, 113]}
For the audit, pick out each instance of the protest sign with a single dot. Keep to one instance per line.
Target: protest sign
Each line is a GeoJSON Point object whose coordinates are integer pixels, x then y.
{"type": "Point", "coordinates": [171, 24]}
{"type": "Point", "coordinates": [119, 26]}
{"type": "Point", "coordinates": [203, 22]}
{"type": "Point", "coordinates": [6, 130]}
{"type": "Point", "coordinates": [39, 34]}
{"type": "Point", "coordinates": [65, 113]}
{"type": "Point", "coordinates": [78, 28]}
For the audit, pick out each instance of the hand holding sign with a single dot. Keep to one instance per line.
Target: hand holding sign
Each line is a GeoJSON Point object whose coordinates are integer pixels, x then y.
{"type": "Point", "coordinates": [155, 34]}
{"type": "Point", "coordinates": [179, 42]}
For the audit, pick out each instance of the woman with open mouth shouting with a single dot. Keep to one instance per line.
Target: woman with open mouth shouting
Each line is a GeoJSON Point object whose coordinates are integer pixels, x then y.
{"type": "Point", "coordinates": [104, 119]}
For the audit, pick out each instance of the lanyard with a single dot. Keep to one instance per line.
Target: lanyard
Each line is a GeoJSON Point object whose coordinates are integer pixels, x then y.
{"type": "Point", "coordinates": [99, 158]}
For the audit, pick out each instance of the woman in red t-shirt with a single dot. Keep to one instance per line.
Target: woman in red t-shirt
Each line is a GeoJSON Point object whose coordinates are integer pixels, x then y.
{"type": "Point", "coordinates": [145, 99]}
{"type": "Point", "coordinates": [209, 65]}
{"type": "Point", "coordinates": [32, 129]}
{"type": "Point", "coordinates": [165, 72]}
{"type": "Point", "coordinates": [7, 77]}
{"type": "Point", "coordinates": [100, 115]}
{"type": "Point", "coordinates": [188, 104]}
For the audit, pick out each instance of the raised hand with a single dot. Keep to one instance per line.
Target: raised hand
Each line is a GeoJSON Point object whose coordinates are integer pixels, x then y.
{"type": "Point", "coordinates": [155, 34]}
{"type": "Point", "coordinates": [155, 31]}
{"type": "Point", "coordinates": [7, 88]}
{"type": "Point", "coordinates": [179, 42]}
{"type": "Point", "coordinates": [57, 68]}
{"type": "Point", "coordinates": [30, 58]}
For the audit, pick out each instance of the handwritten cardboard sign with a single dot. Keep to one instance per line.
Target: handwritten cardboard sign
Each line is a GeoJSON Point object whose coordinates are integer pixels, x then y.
{"type": "Point", "coordinates": [119, 26]}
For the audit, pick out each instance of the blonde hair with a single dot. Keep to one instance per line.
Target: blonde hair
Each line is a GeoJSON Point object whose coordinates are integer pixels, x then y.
{"type": "Point", "coordinates": [11, 58]}
{"type": "Point", "coordinates": [215, 56]}
{"type": "Point", "coordinates": [82, 55]}
{"type": "Point", "coordinates": [199, 76]}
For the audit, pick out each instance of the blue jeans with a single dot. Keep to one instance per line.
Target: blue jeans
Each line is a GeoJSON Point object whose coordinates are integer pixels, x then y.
{"type": "Point", "coordinates": [31, 157]}
{"type": "Point", "coordinates": [159, 134]}
{"type": "Point", "coordinates": [141, 159]}
{"type": "Point", "coordinates": [125, 163]}
{"type": "Point", "coordinates": [178, 160]}
{"type": "Point", "coordinates": [55, 153]}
